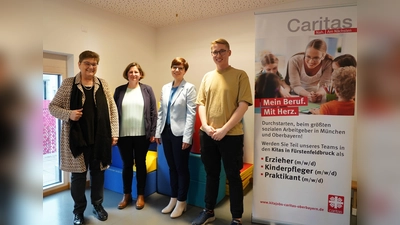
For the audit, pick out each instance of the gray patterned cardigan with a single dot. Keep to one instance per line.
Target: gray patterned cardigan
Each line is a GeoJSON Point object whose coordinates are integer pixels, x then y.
{"type": "Point", "coordinates": [60, 108]}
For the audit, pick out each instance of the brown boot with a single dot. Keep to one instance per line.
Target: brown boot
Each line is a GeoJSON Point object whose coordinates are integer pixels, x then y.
{"type": "Point", "coordinates": [140, 202]}
{"type": "Point", "coordinates": [125, 201]}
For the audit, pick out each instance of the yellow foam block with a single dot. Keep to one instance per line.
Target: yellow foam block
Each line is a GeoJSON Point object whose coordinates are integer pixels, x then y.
{"type": "Point", "coordinates": [246, 171]}
{"type": "Point", "coordinates": [151, 161]}
{"type": "Point", "coordinates": [246, 176]}
{"type": "Point", "coordinates": [245, 183]}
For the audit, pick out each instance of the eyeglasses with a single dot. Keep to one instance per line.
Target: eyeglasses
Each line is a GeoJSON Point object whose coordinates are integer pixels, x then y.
{"type": "Point", "coordinates": [314, 59]}
{"type": "Point", "coordinates": [221, 52]}
{"type": "Point", "coordinates": [88, 64]}
{"type": "Point", "coordinates": [177, 68]}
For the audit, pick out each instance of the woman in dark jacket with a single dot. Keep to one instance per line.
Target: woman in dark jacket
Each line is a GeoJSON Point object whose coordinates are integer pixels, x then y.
{"type": "Point", "coordinates": [137, 119]}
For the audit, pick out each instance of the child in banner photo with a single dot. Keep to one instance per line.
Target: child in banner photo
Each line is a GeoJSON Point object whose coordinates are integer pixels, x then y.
{"type": "Point", "coordinates": [344, 60]}
{"type": "Point", "coordinates": [268, 85]}
{"type": "Point", "coordinates": [308, 71]}
{"type": "Point", "coordinates": [269, 64]}
{"type": "Point", "coordinates": [344, 86]}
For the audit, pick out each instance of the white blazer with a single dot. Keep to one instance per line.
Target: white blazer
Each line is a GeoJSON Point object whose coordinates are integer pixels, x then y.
{"type": "Point", "coordinates": [182, 111]}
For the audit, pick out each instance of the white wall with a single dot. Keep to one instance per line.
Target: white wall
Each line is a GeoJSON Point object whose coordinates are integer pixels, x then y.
{"type": "Point", "coordinates": [21, 39]}
{"type": "Point", "coordinates": [71, 27]}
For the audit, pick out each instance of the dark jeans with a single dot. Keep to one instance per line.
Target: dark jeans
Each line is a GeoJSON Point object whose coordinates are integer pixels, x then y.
{"type": "Point", "coordinates": [230, 149]}
{"type": "Point", "coordinates": [78, 186]}
{"type": "Point", "coordinates": [178, 162]}
{"type": "Point", "coordinates": [134, 148]}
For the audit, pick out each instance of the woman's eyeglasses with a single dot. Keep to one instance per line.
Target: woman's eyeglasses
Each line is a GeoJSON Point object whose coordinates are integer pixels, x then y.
{"type": "Point", "coordinates": [314, 59]}
{"type": "Point", "coordinates": [88, 64]}
{"type": "Point", "coordinates": [177, 68]}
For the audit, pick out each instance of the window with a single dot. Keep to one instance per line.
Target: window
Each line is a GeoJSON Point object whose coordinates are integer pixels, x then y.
{"type": "Point", "coordinates": [54, 70]}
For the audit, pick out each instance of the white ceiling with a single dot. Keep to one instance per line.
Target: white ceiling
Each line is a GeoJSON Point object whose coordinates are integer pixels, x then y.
{"type": "Point", "coordinates": [160, 13]}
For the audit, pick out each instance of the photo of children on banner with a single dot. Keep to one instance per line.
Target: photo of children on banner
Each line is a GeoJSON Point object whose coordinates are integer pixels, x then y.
{"type": "Point", "coordinates": [308, 71]}
{"type": "Point", "coordinates": [342, 86]}
{"type": "Point", "coordinates": [269, 64]}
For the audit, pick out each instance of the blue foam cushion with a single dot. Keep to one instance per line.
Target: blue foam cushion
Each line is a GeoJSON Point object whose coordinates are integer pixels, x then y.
{"type": "Point", "coordinates": [116, 160]}
{"type": "Point", "coordinates": [163, 185]}
{"type": "Point", "coordinates": [113, 182]}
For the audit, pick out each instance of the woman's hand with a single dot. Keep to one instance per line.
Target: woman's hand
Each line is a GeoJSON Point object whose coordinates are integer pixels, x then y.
{"type": "Point", "coordinates": [311, 97]}
{"type": "Point", "coordinates": [158, 140]}
{"type": "Point", "coordinates": [185, 145]}
{"type": "Point", "coordinates": [320, 93]}
{"type": "Point", "coordinates": [114, 141]}
{"type": "Point", "coordinates": [318, 97]}
{"type": "Point", "coordinates": [284, 93]}
{"type": "Point", "coordinates": [152, 139]}
{"type": "Point", "coordinates": [76, 114]}
{"type": "Point", "coordinates": [314, 97]}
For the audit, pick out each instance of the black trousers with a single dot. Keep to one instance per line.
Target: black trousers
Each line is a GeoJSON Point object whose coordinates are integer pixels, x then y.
{"type": "Point", "coordinates": [78, 184]}
{"type": "Point", "coordinates": [230, 150]}
{"type": "Point", "coordinates": [134, 149]}
{"type": "Point", "coordinates": [178, 163]}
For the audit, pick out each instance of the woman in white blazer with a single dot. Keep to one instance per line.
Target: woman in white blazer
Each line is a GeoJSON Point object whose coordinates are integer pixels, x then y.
{"type": "Point", "coordinates": [175, 126]}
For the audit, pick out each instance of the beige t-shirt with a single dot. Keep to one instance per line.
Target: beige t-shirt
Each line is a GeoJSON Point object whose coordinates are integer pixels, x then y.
{"type": "Point", "coordinates": [220, 92]}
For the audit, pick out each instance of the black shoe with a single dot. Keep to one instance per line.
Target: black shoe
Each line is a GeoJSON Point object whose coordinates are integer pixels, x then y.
{"type": "Point", "coordinates": [206, 216]}
{"type": "Point", "coordinates": [79, 219]}
{"type": "Point", "coordinates": [236, 222]}
{"type": "Point", "coordinates": [99, 212]}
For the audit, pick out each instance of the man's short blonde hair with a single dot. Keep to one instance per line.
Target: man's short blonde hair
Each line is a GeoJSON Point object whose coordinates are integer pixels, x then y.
{"type": "Point", "coordinates": [221, 41]}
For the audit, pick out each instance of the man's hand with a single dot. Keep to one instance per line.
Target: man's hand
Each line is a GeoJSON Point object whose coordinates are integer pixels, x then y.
{"type": "Point", "coordinates": [219, 134]}
{"type": "Point", "coordinates": [209, 130]}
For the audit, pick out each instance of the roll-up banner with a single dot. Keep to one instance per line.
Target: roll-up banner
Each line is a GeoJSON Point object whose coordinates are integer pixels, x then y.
{"type": "Point", "coordinates": [305, 75]}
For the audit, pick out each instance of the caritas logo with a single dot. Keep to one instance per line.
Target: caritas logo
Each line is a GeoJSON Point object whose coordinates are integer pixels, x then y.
{"type": "Point", "coordinates": [336, 204]}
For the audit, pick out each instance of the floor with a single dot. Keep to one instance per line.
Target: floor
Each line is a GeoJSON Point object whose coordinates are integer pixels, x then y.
{"type": "Point", "coordinates": [57, 210]}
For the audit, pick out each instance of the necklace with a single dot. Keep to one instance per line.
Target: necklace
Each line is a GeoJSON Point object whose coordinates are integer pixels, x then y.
{"type": "Point", "coordinates": [87, 88]}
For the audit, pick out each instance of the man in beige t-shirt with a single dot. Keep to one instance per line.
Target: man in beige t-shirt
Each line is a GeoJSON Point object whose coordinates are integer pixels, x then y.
{"type": "Point", "coordinates": [223, 98]}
